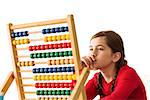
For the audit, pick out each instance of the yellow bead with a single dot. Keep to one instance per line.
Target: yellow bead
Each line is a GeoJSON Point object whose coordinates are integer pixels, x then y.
{"type": "Point", "coordinates": [14, 42]}
{"type": "Point", "coordinates": [63, 37]}
{"type": "Point", "coordinates": [26, 41]}
{"type": "Point", "coordinates": [39, 77]}
{"type": "Point", "coordinates": [57, 62]}
{"type": "Point", "coordinates": [27, 63]}
{"type": "Point", "coordinates": [35, 77]}
{"type": "Point", "coordinates": [49, 62]}
{"type": "Point", "coordinates": [67, 36]}
{"type": "Point", "coordinates": [21, 41]}
{"type": "Point", "coordinates": [62, 61]}
{"type": "Point", "coordinates": [71, 61]}
{"type": "Point", "coordinates": [66, 61]}
{"type": "Point", "coordinates": [51, 77]}
{"type": "Point", "coordinates": [19, 64]}
{"type": "Point", "coordinates": [50, 98]}
{"type": "Point", "coordinates": [43, 77]}
{"type": "Point", "coordinates": [47, 77]}
{"type": "Point", "coordinates": [55, 77]}
{"type": "Point", "coordinates": [47, 98]}
{"type": "Point", "coordinates": [69, 77]}
{"type": "Point", "coordinates": [59, 99]}
{"type": "Point", "coordinates": [53, 62]}
{"type": "Point", "coordinates": [58, 38]}
{"type": "Point", "coordinates": [73, 77]}
{"type": "Point", "coordinates": [54, 98]}
{"type": "Point", "coordinates": [22, 64]}
{"type": "Point", "coordinates": [53, 38]}
{"type": "Point", "coordinates": [64, 77]}
{"type": "Point", "coordinates": [31, 63]}
{"type": "Point", "coordinates": [45, 39]}
{"type": "Point", "coordinates": [49, 38]}
{"type": "Point", "coordinates": [17, 42]}
{"type": "Point", "coordinates": [60, 77]}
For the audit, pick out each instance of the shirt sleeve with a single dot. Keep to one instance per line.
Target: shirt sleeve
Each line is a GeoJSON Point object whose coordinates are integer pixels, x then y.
{"type": "Point", "coordinates": [128, 81]}
{"type": "Point", "coordinates": [90, 88]}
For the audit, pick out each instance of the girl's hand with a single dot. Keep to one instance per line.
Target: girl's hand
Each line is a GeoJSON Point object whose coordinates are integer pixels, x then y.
{"type": "Point", "coordinates": [88, 61]}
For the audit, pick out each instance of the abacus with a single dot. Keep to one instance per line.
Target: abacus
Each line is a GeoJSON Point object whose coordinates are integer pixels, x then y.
{"type": "Point", "coordinates": [46, 60]}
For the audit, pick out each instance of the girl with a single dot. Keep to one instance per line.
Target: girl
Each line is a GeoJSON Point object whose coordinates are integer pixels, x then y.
{"type": "Point", "coordinates": [116, 80]}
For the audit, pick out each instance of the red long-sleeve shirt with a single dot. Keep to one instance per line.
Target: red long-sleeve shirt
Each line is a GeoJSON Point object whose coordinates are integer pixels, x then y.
{"type": "Point", "coordinates": [128, 86]}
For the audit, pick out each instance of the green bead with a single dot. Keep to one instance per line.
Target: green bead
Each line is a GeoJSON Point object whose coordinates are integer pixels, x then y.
{"type": "Point", "coordinates": [37, 92]}
{"type": "Point", "coordinates": [65, 53]}
{"type": "Point", "coordinates": [47, 55]}
{"type": "Point", "coordinates": [45, 92]}
{"type": "Point", "coordinates": [67, 92]}
{"type": "Point", "coordinates": [53, 92]}
{"type": "Point", "coordinates": [34, 56]}
{"type": "Point", "coordinates": [38, 55]}
{"type": "Point", "coordinates": [51, 54]}
{"type": "Point", "coordinates": [58, 92]}
{"type": "Point", "coordinates": [60, 54]}
{"type": "Point", "coordinates": [69, 53]}
{"type": "Point", "coordinates": [56, 54]}
{"type": "Point", "coordinates": [31, 55]}
{"type": "Point", "coordinates": [49, 92]}
{"type": "Point", "coordinates": [70, 91]}
{"type": "Point", "coordinates": [43, 55]}
{"type": "Point", "coordinates": [62, 92]}
{"type": "Point", "coordinates": [41, 92]}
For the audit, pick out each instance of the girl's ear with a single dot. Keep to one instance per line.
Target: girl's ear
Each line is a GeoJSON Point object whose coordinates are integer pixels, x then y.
{"type": "Point", "coordinates": [116, 56]}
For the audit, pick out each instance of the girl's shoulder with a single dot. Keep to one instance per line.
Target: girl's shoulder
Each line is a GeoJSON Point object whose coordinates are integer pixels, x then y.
{"type": "Point", "coordinates": [127, 72]}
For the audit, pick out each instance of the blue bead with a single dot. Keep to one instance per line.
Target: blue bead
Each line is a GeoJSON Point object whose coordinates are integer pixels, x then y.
{"type": "Point", "coordinates": [17, 34]}
{"type": "Point", "coordinates": [57, 29]}
{"type": "Point", "coordinates": [53, 30]}
{"type": "Point", "coordinates": [47, 30]}
{"type": "Point", "coordinates": [20, 34]}
{"type": "Point", "coordinates": [50, 70]}
{"type": "Point", "coordinates": [66, 29]}
{"type": "Point", "coordinates": [13, 35]}
{"type": "Point", "coordinates": [54, 70]}
{"type": "Point", "coordinates": [68, 69]}
{"type": "Point", "coordinates": [63, 69]}
{"type": "Point", "coordinates": [72, 69]}
{"type": "Point", "coordinates": [44, 31]}
{"type": "Point", "coordinates": [41, 70]}
{"type": "Point", "coordinates": [37, 70]}
{"type": "Point", "coordinates": [45, 70]}
{"type": "Point", "coordinates": [62, 29]}
{"type": "Point", "coordinates": [59, 69]}
{"type": "Point", "coordinates": [34, 70]}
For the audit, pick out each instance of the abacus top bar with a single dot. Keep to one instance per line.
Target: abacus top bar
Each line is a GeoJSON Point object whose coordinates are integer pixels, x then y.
{"type": "Point", "coordinates": [35, 24]}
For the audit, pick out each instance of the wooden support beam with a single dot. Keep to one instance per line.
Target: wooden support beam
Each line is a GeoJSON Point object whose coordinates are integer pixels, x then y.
{"type": "Point", "coordinates": [7, 83]}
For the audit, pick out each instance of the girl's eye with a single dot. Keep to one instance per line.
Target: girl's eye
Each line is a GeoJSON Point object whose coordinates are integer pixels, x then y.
{"type": "Point", "coordinates": [100, 48]}
{"type": "Point", "coordinates": [91, 49]}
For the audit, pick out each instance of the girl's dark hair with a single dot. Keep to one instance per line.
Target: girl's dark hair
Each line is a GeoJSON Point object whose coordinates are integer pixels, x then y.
{"type": "Point", "coordinates": [114, 41]}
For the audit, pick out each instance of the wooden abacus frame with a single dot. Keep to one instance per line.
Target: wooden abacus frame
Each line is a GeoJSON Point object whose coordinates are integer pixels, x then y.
{"type": "Point", "coordinates": [78, 89]}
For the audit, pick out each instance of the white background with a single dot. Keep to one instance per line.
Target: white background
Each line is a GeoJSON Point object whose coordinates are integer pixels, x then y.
{"type": "Point", "coordinates": [129, 18]}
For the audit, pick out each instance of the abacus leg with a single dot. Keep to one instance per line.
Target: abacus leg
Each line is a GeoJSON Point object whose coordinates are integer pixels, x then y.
{"type": "Point", "coordinates": [6, 85]}
{"type": "Point", "coordinates": [80, 85]}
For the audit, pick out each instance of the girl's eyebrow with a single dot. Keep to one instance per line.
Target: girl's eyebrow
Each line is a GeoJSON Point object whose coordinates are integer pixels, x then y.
{"type": "Point", "coordinates": [97, 45]}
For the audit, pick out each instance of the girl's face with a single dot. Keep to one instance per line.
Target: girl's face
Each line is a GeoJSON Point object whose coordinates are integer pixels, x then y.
{"type": "Point", "coordinates": [102, 52]}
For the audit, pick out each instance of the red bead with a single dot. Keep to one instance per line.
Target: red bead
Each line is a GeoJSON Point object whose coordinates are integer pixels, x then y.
{"type": "Point", "coordinates": [40, 85]}
{"type": "Point", "coordinates": [50, 46]}
{"type": "Point", "coordinates": [61, 85]}
{"type": "Point", "coordinates": [42, 47]}
{"type": "Point", "coordinates": [30, 48]}
{"type": "Point", "coordinates": [74, 83]}
{"type": "Point", "coordinates": [57, 85]}
{"type": "Point", "coordinates": [33, 48]}
{"type": "Point", "coordinates": [70, 84]}
{"type": "Point", "coordinates": [46, 46]}
{"type": "Point", "coordinates": [66, 85]}
{"type": "Point", "coordinates": [55, 46]}
{"type": "Point", "coordinates": [44, 85]}
{"type": "Point", "coordinates": [48, 85]}
{"type": "Point", "coordinates": [37, 85]}
{"type": "Point", "coordinates": [60, 45]}
{"type": "Point", "coordinates": [64, 45]}
{"type": "Point", "coordinates": [38, 47]}
{"type": "Point", "coordinates": [52, 85]}
{"type": "Point", "coordinates": [69, 45]}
